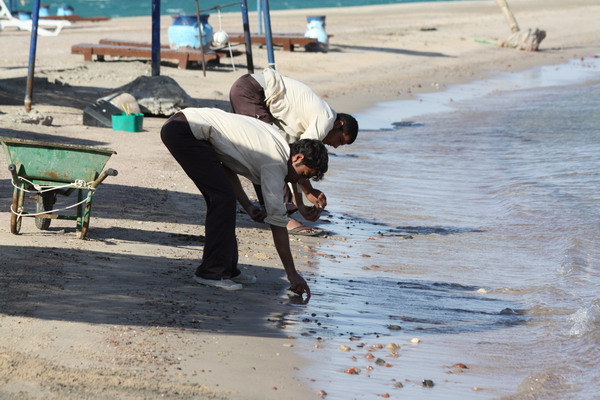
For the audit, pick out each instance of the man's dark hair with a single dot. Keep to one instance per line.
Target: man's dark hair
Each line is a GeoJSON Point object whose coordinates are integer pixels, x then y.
{"type": "Point", "coordinates": [350, 127]}
{"type": "Point", "coordinates": [315, 155]}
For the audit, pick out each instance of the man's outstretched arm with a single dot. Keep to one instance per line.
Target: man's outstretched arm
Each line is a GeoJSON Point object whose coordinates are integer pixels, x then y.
{"type": "Point", "coordinates": [282, 244]}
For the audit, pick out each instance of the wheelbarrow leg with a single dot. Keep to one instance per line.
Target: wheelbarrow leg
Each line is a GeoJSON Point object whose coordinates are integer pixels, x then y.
{"type": "Point", "coordinates": [17, 206]}
{"type": "Point", "coordinates": [83, 213]}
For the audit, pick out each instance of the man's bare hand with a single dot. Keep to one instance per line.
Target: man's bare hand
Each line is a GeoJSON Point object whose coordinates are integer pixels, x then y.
{"type": "Point", "coordinates": [317, 197]}
{"type": "Point", "coordinates": [310, 213]}
{"type": "Point", "coordinates": [258, 214]}
{"type": "Point", "coordinates": [299, 285]}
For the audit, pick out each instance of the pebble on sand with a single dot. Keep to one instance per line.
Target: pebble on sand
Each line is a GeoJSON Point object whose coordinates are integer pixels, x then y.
{"type": "Point", "coordinates": [343, 347]}
{"type": "Point", "coordinates": [353, 371]}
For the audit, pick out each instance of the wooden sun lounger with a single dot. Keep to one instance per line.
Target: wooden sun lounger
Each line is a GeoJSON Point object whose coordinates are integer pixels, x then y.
{"type": "Point", "coordinates": [75, 18]}
{"type": "Point", "coordinates": [118, 42]}
{"type": "Point", "coordinates": [287, 40]}
{"type": "Point", "coordinates": [185, 57]}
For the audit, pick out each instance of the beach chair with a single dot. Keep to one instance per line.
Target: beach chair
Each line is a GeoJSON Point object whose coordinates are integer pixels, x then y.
{"type": "Point", "coordinates": [46, 27]}
{"type": "Point", "coordinates": [287, 40]}
{"type": "Point", "coordinates": [184, 56]}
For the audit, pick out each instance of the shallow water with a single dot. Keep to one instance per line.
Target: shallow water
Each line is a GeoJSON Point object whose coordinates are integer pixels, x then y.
{"type": "Point", "coordinates": [475, 231]}
{"type": "Point", "coordinates": [116, 8]}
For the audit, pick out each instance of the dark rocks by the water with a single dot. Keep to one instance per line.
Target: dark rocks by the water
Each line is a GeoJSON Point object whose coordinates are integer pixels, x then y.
{"type": "Point", "coordinates": [158, 95]}
{"type": "Point", "coordinates": [427, 383]}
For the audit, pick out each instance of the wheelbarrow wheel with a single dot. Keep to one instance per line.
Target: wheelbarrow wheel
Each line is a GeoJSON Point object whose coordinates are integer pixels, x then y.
{"type": "Point", "coordinates": [44, 202]}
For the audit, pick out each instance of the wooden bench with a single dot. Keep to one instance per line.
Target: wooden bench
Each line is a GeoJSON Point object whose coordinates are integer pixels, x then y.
{"type": "Point", "coordinates": [287, 40]}
{"type": "Point", "coordinates": [183, 56]}
{"type": "Point", "coordinates": [119, 42]}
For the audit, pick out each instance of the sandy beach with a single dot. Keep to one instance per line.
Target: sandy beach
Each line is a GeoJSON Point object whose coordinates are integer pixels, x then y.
{"type": "Point", "coordinates": [118, 315]}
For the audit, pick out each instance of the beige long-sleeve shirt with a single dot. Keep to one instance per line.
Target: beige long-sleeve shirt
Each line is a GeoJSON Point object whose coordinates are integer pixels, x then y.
{"type": "Point", "coordinates": [249, 148]}
{"type": "Point", "coordinates": [299, 111]}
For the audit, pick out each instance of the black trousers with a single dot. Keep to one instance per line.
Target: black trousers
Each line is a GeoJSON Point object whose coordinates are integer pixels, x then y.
{"type": "Point", "coordinates": [199, 161]}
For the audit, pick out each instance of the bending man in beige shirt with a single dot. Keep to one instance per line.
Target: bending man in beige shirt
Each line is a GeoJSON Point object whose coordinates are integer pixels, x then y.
{"type": "Point", "coordinates": [299, 113]}
{"type": "Point", "coordinates": [213, 147]}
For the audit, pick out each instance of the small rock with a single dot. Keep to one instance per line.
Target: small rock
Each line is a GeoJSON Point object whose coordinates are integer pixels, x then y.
{"type": "Point", "coordinates": [398, 385]}
{"type": "Point", "coordinates": [392, 346]}
{"type": "Point", "coordinates": [394, 327]}
{"type": "Point", "coordinates": [380, 361]}
{"type": "Point", "coordinates": [460, 365]}
{"type": "Point", "coordinates": [427, 383]}
{"type": "Point", "coordinates": [343, 347]}
{"type": "Point", "coordinates": [353, 371]}
{"type": "Point", "coordinates": [415, 340]}
{"type": "Point", "coordinates": [322, 394]}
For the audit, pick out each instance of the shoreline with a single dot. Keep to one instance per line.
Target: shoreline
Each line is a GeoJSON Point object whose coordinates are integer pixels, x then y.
{"type": "Point", "coordinates": [75, 312]}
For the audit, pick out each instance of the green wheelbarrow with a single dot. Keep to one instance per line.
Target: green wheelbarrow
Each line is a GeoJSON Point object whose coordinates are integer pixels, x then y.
{"type": "Point", "coordinates": [45, 170]}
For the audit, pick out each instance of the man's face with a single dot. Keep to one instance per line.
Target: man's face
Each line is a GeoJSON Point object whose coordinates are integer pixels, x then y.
{"type": "Point", "coordinates": [303, 171]}
{"type": "Point", "coordinates": [298, 171]}
{"type": "Point", "coordinates": [336, 138]}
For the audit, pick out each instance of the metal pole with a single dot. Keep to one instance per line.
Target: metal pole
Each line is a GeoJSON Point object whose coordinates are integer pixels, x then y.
{"type": "Point", "coordinates": [268, 34]}
{"type": "Point", "coordinates": [155, 37]}
{"type": "Point", "coordinates": [32, 50]}
{"type": "Point", "coordinates": [247, 38]}
{"type": "Point", "coordinates": [259, 15]}
{"type": "Point", "coordinates": [201, 39]}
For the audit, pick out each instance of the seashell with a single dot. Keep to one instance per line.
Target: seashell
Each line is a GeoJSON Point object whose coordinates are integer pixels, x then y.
{"type": "Point", "coordinates": [460, 365]}
{"type": "Point", "coordinates": [322, 394]}
{"type": "Point", "coordinates": [384, 395]}
{"type": "Point", "coordinates": [392, 346]}
{"type": "Point", "coordinates": [343, 347]}
{"type": "Point", "coordinates": [369, 356]}
{"type": "Point", "coordinates": [415, 340]}
{"type": "Point", "coordinates": [353, 371]}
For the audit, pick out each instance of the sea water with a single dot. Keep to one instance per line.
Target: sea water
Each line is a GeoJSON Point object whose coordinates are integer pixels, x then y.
{"type": "Point", "coordinates": [117, 8]}
{"type": "Point", "coordinates": [470, 238]}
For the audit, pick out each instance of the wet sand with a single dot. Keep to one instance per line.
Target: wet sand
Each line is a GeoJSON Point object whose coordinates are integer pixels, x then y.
{"type": "Point", "coordinates": [117, 315]}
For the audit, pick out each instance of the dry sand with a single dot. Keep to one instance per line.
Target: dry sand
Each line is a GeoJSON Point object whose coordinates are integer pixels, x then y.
{"type": "Point", "coordinates": [117, 316]}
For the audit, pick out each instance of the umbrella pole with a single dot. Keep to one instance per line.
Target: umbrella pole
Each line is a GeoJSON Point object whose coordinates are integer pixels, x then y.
{"type": "Point", "coordinates": [247, 38]}
{"type": "Point", "coordinates": [155, 37]}
{"type": "Point", "coordinates": [32, 51]}
{"type": "Point", "coordinates": [268, 33]}
{"type": "Point", "coordinates": [201, 40]}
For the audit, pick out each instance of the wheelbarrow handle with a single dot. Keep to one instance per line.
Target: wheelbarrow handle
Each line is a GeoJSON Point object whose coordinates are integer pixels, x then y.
{"type": "Point", "coordinates": [13, 171]}
{"type": "Point", "coordinates": [103, 175]}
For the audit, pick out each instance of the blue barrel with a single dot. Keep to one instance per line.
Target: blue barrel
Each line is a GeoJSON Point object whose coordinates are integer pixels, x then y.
{"type": "Point", "coordinates": [183, 32]}
{"type": "Point", "coordinates": [64, 10]}
{"type": "Point", "coordinates": [24, 15]}
{"type": "Point", "coordinates": [44, 10]}
{"type": "Point", "coordinates": [315, 29]}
